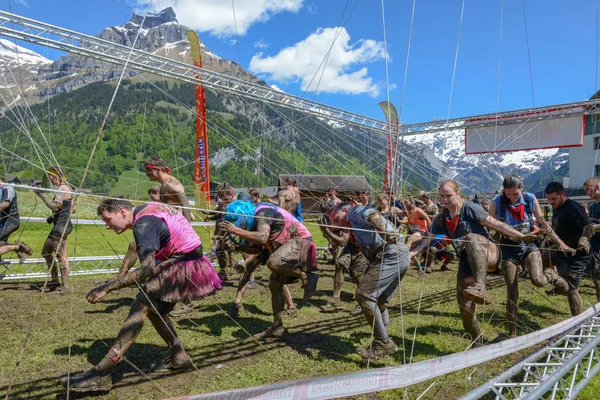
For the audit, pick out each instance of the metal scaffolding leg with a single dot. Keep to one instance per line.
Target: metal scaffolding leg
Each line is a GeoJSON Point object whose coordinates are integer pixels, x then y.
{"type": "Point", "coordinates": [560, 370]}
{"type": "Point", "coordinates": [37, 268]}
{"type": "Point", "coordinates": [11, 270]}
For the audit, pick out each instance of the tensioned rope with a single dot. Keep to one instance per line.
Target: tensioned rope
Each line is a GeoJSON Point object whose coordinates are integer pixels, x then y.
{"type": "Point", "coordinates": [61, 240]}
{"type": "Point", "coordinates": [402, 96]}
{"type": "Point", "coordinates": [141, 151]}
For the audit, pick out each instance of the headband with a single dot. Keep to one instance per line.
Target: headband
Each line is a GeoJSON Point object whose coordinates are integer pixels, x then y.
{"type": "Point", "coordinates": [150, 166]}
{"type": "Point", "coordinates": [52, 172]}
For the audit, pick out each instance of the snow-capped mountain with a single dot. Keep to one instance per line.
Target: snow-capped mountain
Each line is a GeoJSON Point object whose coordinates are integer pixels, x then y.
{"type": "Point", "coordinates": [18, 67]}
{"type": "Point", "coordinates": [13, 55]}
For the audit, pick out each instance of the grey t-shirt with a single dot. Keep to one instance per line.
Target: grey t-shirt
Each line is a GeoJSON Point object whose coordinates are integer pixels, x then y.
{"type": "Point", "coordinates": [470, 217]}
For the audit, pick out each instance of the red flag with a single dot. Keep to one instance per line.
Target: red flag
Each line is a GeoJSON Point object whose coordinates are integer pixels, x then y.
{"type": "Point", "coordinates": [201, 167]}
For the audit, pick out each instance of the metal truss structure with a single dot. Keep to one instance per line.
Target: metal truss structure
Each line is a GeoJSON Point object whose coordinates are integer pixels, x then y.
{"type": "Point", "coordinates": [29, 30]}
{"type": "Point", "coordinates": [560, 370]}
{"type": "Point", "coordinates": [37, 268]}
{"type": "Point", "coordinates": [33, 268]}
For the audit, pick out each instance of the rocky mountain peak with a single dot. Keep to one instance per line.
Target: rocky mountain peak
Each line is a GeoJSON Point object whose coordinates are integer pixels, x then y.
{"type": "Point", "coordinates": [154, 19]}
{"type": "Point", "coordinates": [158, 30]}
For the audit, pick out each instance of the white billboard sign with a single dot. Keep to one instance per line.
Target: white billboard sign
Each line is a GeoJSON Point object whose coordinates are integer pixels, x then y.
{"type": "Point", "coordinates": [531, 133]}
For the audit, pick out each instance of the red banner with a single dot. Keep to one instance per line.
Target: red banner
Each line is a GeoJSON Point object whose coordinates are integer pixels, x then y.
{"type": "Point", "coordinates": [201, 167]}
{"type": "Point", "coordinates": [391, 116]}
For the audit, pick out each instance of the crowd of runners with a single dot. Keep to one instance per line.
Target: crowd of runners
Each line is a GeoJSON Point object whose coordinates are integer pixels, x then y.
{"type": "Point", "coordinates": [375, 243]}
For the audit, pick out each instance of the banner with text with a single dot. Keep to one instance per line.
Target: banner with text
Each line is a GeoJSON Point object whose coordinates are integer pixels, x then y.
{"type": "Point", "coordinates": [535, 132]}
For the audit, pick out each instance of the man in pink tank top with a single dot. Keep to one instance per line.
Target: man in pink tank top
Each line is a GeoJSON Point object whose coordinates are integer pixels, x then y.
{"type": "Point", "coordinates": [283, 243]}
{"type": "Point", "coordinates": [172, 268]}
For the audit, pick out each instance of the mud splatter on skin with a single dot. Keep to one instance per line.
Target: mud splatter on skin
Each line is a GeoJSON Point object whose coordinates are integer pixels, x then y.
{"type": "Point", "coordinates": [132, 327]}
{"type": "Point", "coordinates": [575, 302]}
{"type": "Point", "coordinates": [468, 311]}
{"type": "Point", "coordinates": [512, 298]}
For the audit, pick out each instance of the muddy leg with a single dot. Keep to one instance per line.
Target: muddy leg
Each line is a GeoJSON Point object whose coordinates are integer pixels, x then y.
{"type": "Point", "coordinates": [575, 303]}
{"type": "Point", "coordinates": [277, 300]}
{"type": "Point", "coordinates": [51, 262]}
{"type": "Point", "coordinates": [533, 263]}
{"type": "Point", "coordinates": [251, 264]}
{"type": "Point", "coordinates": [481, 254]}
{"type": "Point", "coordinates": [385, 315]}
{"type": "Point", "coordinates": [129, 331]}
{"type": "Point", "coordinates": [338, 276]}
{"type": "Point", "coordinates": [468, 311]}
{"type": "Point", "coordinates": [512, 295]}
{"type": "Point", "coordinates": [289, 301]}
{"type": "Point", "coordinates": [65, 269]}
{"type": "Point", "coordinates": [373, 316]}
{"type": "Point", "coordinates": [165, 328]}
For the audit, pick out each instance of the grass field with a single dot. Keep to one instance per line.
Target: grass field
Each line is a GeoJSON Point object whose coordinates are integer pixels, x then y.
{"type": "Point", "coordinates": [69, 334]}
{"type": "Point", "coordinates": [317, 343]}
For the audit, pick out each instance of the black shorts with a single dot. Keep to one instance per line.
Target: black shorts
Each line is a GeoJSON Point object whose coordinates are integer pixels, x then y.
{"type": "Point", "coordinates": [353, 260]}
{"type": "Point", "coordinates": [517, 252]}
{"type": "Point", "coordinates": [7, 227]}
{"type": "Point", "coordinates": [569, 267]}
{"type": "Point", "coordinates": [57, 231]}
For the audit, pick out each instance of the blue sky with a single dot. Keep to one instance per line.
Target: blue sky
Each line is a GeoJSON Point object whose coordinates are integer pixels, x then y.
{"type": "Point", "coordinates": [562, 38]}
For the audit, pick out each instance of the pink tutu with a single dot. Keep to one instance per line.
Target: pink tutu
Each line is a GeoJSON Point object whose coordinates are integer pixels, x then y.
{"type": "Point", "coordinates": [311, 257]}
{"type": "Point", "coordinates": [191, 279]}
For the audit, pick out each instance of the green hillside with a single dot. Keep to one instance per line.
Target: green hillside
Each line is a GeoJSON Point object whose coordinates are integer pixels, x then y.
{"type": "Point", "coordinates": [261, 142]}
{"type": "Point", "coordinates": [132, 184]}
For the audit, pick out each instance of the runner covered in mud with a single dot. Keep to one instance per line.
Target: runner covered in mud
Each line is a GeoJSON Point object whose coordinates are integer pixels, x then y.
{"type": "Point", "coordinates": [351, 259]}
{"type": "Point", "coordinates": [574, 229]}
{"type": "Point", "coordinates": [171, 192]}
{"type": "Point", "coordinates": [388, 259]}
{"type": "Point", "coordinates": [10, 222]}
{"type": "Point", "coordinates": [518, 209]}
{"type": "Point", "coordinates": [278, 240]}
{"type": "Point", "coordinates": [173, 268]}
{"type": "Point", "coordinates": [55, 247]}
{"type": "Point", "coordinates": [465, 224]}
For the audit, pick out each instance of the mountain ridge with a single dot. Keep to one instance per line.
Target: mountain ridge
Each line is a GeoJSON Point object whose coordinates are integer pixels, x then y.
{"type": "Point", "coordinates": [427, 157]}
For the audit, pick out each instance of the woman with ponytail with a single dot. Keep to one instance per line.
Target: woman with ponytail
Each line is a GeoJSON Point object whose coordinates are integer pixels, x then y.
{"type": "Point", "coordinates": [465, 224]}
{"type": "Point", "coordinates": [521, 210]}
{"type": "Point", "coordinates": [55, 247]}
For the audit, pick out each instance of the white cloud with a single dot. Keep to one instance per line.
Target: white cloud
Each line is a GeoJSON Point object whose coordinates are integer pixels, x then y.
{"type": "Point", "coordinates": [301, 61]}
{"type": "Point", "coordinates": [261, 44]}
{"type": "Point", "coordinates": [312, 8]}
{"type": "Point", "coordinates": [216, 16]}
{"type": "Point", "coordinates": [22, 2]}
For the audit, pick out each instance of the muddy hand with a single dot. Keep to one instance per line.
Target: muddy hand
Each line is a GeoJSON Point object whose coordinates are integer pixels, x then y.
{"type": "Point", "coordinates": [535, 235]}
{"type": "Point", "coordinates": [96, 294]}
